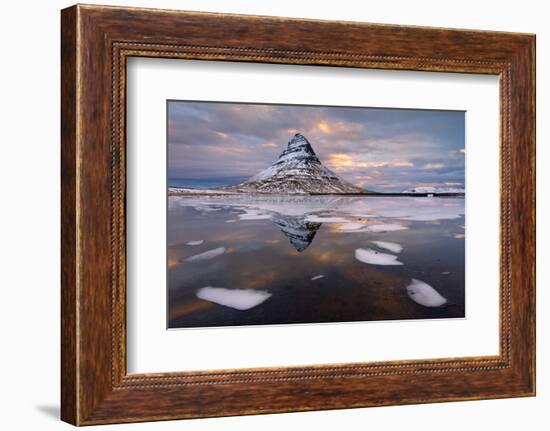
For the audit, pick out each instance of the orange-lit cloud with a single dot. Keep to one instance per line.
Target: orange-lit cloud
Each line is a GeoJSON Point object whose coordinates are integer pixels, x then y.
{"type": "Point", "coordinates": [343, 161]}
{"type": "Point", "coordinates": [324, 127]}
{"type": "Point", "coordinates": [433, 166]}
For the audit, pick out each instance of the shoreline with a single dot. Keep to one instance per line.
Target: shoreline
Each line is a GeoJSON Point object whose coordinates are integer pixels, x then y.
{"type": "Point", "coordinates": [177, 191]}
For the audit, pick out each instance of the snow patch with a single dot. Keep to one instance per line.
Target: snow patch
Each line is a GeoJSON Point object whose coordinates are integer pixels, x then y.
{"type": "Point", "coordinates": [252, 214]}
{"type": "Point", "coordinates": [385, 227]}
{"type": "Point", "coordinates": [198, 242]}
{"type": "Point", "coordinates": [210, 254]}
{"type": "Point", "coordinates": [373, 257]}
{"type": "Point", "coordinates": [330, 206]}
{"type": "Point", "coordinates": [424, 294]}
{"type": "Point", "coordinates": [317, 277]}
{"type": "Point", "coordinates": [254, 217]}
{"type": "Point", "coordinates": [352, 227]}
{"type": "Point", "coordinates": [391, 246]}
{"type": "Point", "coordinates": [238, 299]}
{"type": "Point", "coordinates": [208, 209]}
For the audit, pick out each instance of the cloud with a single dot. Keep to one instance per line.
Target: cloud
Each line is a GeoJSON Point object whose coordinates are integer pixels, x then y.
{"type": "Point", "coordinates": [375, 148]}
{"type": "Point", "coordinates": [433, 166]}
{"type": "Point", "coordinates": [340, 161]}
{"type": "Point", "coordinates": [324, 127]}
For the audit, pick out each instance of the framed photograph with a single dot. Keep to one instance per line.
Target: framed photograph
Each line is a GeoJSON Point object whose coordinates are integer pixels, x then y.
{"type": "Point", "coordinates": [329, 214]}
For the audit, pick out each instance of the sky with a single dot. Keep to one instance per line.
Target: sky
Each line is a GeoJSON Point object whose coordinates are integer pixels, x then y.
{"type": "Point", "coordinates": [387, 150]}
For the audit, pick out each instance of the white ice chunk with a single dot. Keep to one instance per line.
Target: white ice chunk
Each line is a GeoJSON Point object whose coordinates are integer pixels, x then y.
{"type": "Point", "coordinates": [352, 227]}
{"type": "Point", "coordinates": [252, 214]}
{"type": "Point", "coordinates": [424, 294]}
{"type": "Point", "coordinates": [210, 254]}
{"type": "Point", "coordinates": [239, 299]}
{"type": "Point", "coordinates": [391, 246]}
{"type": "Point", "coordinates": [385, 227]}
{"type": "Point", "coordinates": [198, 242]}
{"type": "Point", "coordinates": [321, 219]}
{"type": "Point", "coordinates": [403, 208]}
{"type": "Point", "coordinates": [255, 217]}
{"type": "Point", "coordinates": [373, 257]}
{"type": "Point", "coordinates": [206, 208]}
{"type": "Point", "coordinates": [316, 277]}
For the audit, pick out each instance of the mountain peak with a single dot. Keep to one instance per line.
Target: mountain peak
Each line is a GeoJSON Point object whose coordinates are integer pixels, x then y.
{"type": "Point", "coordinates": [297, 170]}
{"type": "Point", "coordinates": [298, 146]}
{"type": "Point", "coordinates": [297, 140]}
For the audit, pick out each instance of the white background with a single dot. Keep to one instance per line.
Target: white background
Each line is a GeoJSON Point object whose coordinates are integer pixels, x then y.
{"type": "Point", "coordinates": [29, 228]}
{"type": "Point", "coordinates": [151, 348]}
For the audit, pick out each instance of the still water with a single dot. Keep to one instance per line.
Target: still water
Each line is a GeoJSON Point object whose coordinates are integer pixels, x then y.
{"type": "Point", "coordinates": [255, 260]}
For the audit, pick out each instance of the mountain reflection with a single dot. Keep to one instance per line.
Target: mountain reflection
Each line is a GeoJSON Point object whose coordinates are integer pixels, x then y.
{"type": "Point", "coordinates": [298, 230]}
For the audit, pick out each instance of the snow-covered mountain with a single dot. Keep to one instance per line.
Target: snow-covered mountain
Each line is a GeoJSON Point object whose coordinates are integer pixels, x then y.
{"type": "Point", "coordinates": [298, 170]}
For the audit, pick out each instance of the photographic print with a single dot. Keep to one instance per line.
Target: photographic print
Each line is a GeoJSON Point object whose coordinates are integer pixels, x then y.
{"type": "Point", "coordinates": [301, 214]}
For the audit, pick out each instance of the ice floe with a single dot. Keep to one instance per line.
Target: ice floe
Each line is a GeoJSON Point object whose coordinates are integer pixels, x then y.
{"type": "Point", "coordinates": [210, 254]}
{"type": "Point", "coordinates": [251, 214]}
{"type": "Point", "coordinates": [352, 227]}
{"type": "Point", "coordinates": [254, 217]}
{"type": "Point", "coordinates": [317, 277]}
{"type": "Point", "coordinates": [239, 299]}
{"type": "Point", "coordinates": [374, 257]}
{"type": "Point", "coordinates": [391, 246]}
{"type": "Point", "coordinates": [408, 208]}
{"type": "Point", "coordinates": [198, 242]}
{"type": "Point", "coordinates": [208, 208]}
{"type": "Point", "coordinates": [385, 227]}
{"type": "Point", "coordinates": [424, 294]}
{"type": "Point", "coordinates": [403, 208]}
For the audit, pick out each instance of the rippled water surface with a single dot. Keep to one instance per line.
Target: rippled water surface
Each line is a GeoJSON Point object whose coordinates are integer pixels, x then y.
{"type": "Point", "coordinates": [253, 260]}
